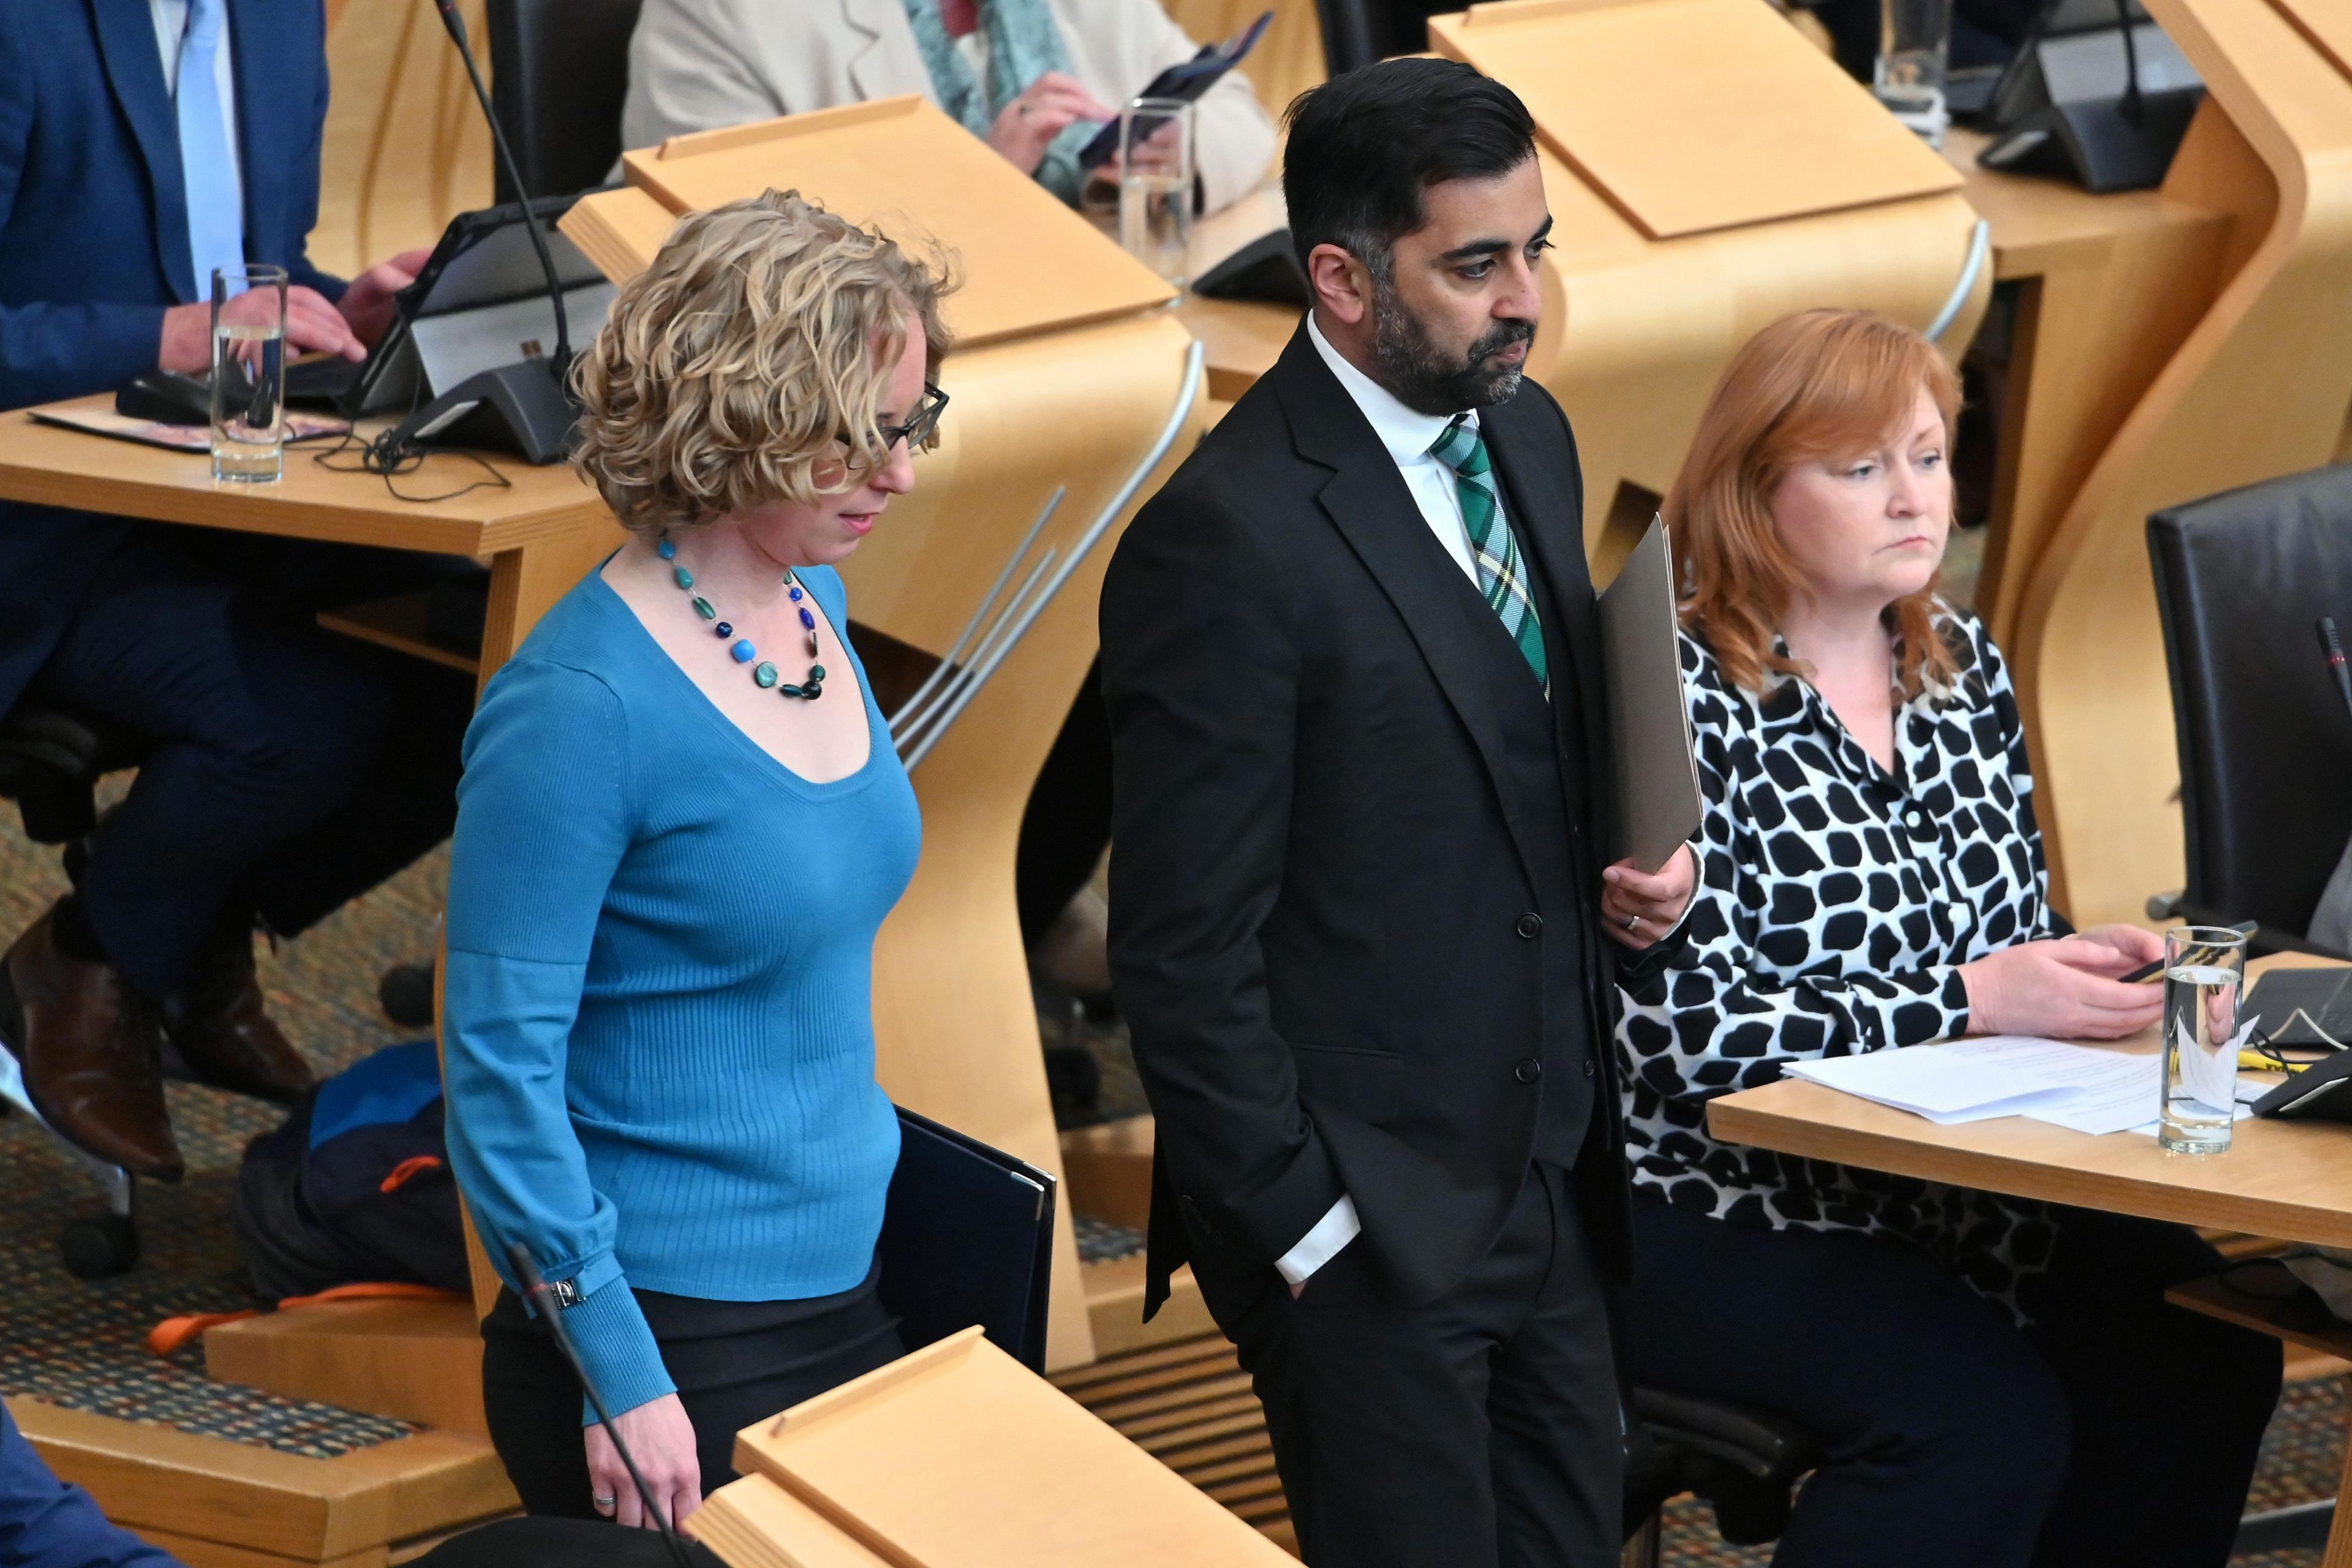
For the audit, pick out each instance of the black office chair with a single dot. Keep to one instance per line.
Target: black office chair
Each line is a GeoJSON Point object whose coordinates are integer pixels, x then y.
{"type": "Point", "coordinates": [1743, 1463]}
{"type": "Point", "coordinates": [560, 74]}
{"type": "Point", "coordinates": [2265, 742]}
{"type": "Point", "coordinates": [1358, 32]}
{"type": "Point", "coordinates": [50, 762]}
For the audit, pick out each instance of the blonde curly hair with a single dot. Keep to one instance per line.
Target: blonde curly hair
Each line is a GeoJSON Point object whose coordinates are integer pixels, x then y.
{"type": "Point", "coordinates": [744, 362]}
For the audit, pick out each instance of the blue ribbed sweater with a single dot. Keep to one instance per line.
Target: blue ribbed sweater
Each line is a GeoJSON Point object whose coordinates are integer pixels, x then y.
{"type": "Point", "coordinates": [657, 1017]}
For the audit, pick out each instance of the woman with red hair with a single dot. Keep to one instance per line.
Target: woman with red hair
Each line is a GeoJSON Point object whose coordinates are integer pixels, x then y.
{"type": "Point", "coordinates": [1993, 1381]}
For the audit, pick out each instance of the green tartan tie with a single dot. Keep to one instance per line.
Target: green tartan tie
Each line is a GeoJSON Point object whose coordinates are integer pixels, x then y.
{"type": "Point", "coordinates": [1502, 575]}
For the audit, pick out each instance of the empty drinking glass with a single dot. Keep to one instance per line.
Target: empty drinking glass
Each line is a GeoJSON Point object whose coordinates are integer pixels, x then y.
{"type": "Point", "coordinates": [1915, 42]}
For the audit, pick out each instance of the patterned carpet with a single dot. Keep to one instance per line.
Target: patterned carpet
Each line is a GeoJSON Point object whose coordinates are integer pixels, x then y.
{"type": "Point", "coordinates": [79, 1344]}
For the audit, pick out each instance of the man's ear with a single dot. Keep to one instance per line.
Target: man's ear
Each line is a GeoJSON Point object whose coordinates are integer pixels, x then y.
{"type": "Point", "coordinates": [1340, 284]}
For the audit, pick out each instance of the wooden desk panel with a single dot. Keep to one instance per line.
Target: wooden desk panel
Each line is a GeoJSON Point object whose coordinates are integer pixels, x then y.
{"type": "Point", "coordinates": [540, 536]}
{"type": "Point", "coordinates": [50, 466]}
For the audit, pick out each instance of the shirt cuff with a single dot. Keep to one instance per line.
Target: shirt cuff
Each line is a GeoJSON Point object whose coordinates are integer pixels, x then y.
{"type": "Point", "coordinates": [616, 1349]}
{"type": "Point", "coordinates": [1335, 1230]}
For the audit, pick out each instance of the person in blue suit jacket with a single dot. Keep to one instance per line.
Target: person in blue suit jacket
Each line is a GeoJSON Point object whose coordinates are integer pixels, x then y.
{"type": "Point", "coordinates": [143, 144]}
{"type": "Point", "coordinates": [45, 1523]}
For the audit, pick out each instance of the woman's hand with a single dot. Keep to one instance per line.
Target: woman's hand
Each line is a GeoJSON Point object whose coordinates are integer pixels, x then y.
{"type": "Point", "coordinates": [1052, 104]}
{"type": "Point", "coordinates": [2067, 989]}
{"type": "Point", "coordinates": [661, 1440]}
{"type": "Point", "coordinates": [1640, 906]}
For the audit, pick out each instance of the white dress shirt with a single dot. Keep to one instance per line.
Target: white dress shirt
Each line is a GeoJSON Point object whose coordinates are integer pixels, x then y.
{"type": "Point", "coordinates": [170, 22]}
{"type": "Point", "coordinates": [1408, 437]}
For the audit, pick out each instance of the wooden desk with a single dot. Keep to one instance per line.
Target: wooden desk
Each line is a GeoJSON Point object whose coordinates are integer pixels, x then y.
{"type": "Point", "coordinates": [540, 537]}
{"type": "Point", "coordinates": [2284, 1179]}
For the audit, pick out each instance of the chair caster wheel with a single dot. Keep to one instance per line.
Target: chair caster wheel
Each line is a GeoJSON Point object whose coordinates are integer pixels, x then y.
{"type": "Point", "coordinates": [99, 1248]}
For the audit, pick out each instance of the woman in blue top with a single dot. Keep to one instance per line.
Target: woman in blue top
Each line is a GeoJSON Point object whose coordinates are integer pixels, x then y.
{"type": "Point", "coordinates": [680, 824]}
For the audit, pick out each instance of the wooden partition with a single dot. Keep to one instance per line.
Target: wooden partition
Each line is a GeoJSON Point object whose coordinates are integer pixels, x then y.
{"type": "Point", "coordinates": [2258, 387]}
{"type": "Point", "coordinates": [1068, 364]}
{"type": "Point", "coordinates": [406, 148]}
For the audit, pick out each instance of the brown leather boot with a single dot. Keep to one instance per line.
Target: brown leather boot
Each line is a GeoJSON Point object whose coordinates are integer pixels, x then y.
{"type": "Point", "coordinates": [87, 1045]}
{"type": "Point", "coordinates": [221, 1030]}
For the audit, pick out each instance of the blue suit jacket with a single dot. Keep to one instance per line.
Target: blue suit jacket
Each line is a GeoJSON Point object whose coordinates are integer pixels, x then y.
{"type": "Point", "coordinates": [45, 1523]}
{"type": "Point", "coordinates": [94, 236]}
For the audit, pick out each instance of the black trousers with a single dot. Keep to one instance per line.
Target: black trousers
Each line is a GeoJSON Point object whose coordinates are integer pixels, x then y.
{"type": "Point", "coordinates": [2116, 1430]}
{"type": "Point", "coordinates": [1480, 1430]}
{"type": "Point", "coordinates": [292, 769]}
{"type": "Point", "coordinates": [734, 1362]}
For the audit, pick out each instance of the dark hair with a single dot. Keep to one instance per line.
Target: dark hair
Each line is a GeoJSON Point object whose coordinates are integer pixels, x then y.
{"type": "Point", "coordinates": [1364, 145]}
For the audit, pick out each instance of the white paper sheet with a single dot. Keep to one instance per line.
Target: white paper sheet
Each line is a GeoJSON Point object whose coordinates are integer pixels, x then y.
{"type": "Point", "coordinates": [2085, 1087]}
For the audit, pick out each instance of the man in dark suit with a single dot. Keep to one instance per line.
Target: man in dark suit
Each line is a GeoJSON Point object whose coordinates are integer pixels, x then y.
{"type": "Point", "coordinates": [143, 144]}
{"type": "Point", "coordinates": [1358, 917]}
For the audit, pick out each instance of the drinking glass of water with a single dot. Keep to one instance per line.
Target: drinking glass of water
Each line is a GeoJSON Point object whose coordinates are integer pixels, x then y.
{"type": "Point", "coordinates": [1155, 183]}
{"type": "Point", "coordinates": [248, 373]}
{"type": "Point", "coordinates": [1915, 42]}
{"type": "Point", "coordinates": [2204, 969]}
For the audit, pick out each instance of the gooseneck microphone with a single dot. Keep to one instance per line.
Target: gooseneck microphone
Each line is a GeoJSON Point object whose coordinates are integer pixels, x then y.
{"type": "Point", "coordinates": [535, 1287]}
{"type": "Point", "coordinates": [524, 407]}
{"type": "Point", "coordinates": [456, 23]}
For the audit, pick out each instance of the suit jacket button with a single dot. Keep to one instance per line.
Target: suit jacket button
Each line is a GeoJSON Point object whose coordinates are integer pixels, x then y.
{"type": "Point", "coordinates": [1529, 1069]}
{"type": "Point", "coordinates": [1588, 1067]}
{"type": "Point", "coordinates": [1529, 925]}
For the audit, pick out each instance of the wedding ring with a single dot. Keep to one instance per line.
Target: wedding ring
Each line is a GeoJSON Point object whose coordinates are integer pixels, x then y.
{"type": "Point", "coordinates": [606, 1501]}
{"type": "Point", "coordinates": [1632, 920]}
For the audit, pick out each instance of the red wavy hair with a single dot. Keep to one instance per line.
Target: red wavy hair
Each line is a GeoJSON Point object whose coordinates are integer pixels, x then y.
{"type": "Point", "coordinates": [1820, 385]}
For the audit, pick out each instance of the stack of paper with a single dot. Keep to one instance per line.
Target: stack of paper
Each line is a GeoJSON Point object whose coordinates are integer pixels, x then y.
{"type": "Point", "coordinates": [2087, 1087]}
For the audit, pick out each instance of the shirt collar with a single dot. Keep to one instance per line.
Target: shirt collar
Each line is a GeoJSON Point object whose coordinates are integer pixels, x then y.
{"type": "Point", "coordinates": [1407, 434]}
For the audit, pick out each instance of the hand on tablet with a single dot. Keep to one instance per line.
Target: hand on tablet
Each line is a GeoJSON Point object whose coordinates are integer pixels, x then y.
{"type": "Point", "coordinates": [1053, 103]}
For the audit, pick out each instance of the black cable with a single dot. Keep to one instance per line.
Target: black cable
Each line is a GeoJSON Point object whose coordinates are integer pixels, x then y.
{"type": "Point", "coordinates": [534, 1286]}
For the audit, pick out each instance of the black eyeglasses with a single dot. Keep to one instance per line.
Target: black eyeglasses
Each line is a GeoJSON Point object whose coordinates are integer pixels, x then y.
{"type": "Point", "coordinates": [917, 431]}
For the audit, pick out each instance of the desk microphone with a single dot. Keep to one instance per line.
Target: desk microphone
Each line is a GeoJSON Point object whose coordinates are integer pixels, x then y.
{"type": "Point", "coordinates": [2333, 650]}
{"type": "Point", "coordinates": [535, 1287]}
{"type": "Point", "coordinates": [524, 407]}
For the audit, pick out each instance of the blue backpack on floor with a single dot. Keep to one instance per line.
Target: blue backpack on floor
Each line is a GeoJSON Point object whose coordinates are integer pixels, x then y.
{"type": "Point", "coordinates": [355, 1187]}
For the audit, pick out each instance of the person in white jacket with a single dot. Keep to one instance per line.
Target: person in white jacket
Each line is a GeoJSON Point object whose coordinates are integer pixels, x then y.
{"type": "Point", "coordinates": [1034, 78]}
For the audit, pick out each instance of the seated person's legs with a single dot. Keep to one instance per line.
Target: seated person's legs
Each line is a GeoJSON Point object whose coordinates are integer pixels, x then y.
{"type": "Point", "coordinates": [1925, 1400]}
{"type": "Point", "coordinates": [2169, 1407]}
{"type": "Point", "coordinates": [264, 728]}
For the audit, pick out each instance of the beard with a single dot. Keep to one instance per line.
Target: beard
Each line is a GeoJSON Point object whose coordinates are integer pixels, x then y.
{"type": "Point", "coordinates": [1424, 377]}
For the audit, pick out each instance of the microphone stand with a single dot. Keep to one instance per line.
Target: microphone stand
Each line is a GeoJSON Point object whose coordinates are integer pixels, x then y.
{"type": "Point", "coordinates": [456, 23]}
{"type": "Point", "coordinates": [535, 1287]}
{"type": "Point", "coordinates": [525, 407]}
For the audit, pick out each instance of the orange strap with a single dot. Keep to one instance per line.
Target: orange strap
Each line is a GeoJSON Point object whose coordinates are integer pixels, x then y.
{"type": "Point", "coordinates": [415, 1165]}
{"type": "Point", "coordinates": [173, 1333]}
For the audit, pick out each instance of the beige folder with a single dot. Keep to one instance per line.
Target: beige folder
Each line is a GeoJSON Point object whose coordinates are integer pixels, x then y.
{"type": "Point", "coordinates": [958, 1456]}
{"type": "Point", "coordinates": [1650, 750]}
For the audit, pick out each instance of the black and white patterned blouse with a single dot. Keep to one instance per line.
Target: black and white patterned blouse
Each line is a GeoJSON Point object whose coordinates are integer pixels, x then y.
{"type": "Point", "coordinates": [1836, 902]}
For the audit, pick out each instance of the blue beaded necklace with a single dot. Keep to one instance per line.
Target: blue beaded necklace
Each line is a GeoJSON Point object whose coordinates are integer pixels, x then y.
{"type": "Point", "coordinates": [763, 674]}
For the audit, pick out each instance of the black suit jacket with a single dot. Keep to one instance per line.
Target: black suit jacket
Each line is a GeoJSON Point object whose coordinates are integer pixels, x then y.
{"type": "Point", "coordinates": [1355, 854]}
